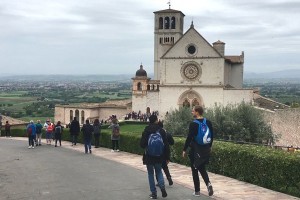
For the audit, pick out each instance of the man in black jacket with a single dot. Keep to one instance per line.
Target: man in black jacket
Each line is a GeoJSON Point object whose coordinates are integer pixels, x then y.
{"type": "Point", "coordinates": [74, 130]}
{"type": "Point", "coordinates": [202, 150]}
{"type": "Point", "coordinates": [87, 131]}
{"type": "Point", "coordinates": [153, 162]}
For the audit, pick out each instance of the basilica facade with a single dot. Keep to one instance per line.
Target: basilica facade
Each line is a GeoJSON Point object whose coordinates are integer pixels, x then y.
{"type": "Point", "coordinates": [188, 70]}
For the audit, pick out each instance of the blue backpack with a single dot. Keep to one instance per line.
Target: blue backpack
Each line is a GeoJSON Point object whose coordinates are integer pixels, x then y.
{"type": "Point", "coordinates": [155, 144]}
{"type": "Point", "coordinates": [204, 135]}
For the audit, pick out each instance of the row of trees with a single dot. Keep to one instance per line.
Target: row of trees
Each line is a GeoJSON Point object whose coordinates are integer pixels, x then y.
{"type": "Point", "coordinates": [240, 123]}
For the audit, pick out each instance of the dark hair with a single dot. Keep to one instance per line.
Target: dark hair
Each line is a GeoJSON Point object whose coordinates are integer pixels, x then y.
{"type": "Point", "coordinates": [152, 119]}
{"type": "Point", "coordinates": [58, 123]}
{"type": "Point", "coordinates": [87, 121]}
{"type": "Point", "coordinates": [96, 122]}
{"type": "Point", "coordinates": [160, 124]}
{"type": "Point", "coordinates": [75, 118]}
{"type": "Point", "coordinates": [199, 109]}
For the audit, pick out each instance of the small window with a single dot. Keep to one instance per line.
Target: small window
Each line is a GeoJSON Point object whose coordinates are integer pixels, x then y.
{"type": "Point", "coordinates": [173, 26]}
{"type": "Point", "coordinates": [167, 22]}
{"type": "Point", "coordinates": [160, 40]}
{"type": "Point", "coordinates": [139, 86]}
{"type": "Point", "coordinates": [161, 23]}
{"type": "Point", "coordinates": [191, 49]}
{"type": "Point", "coordinates": [186, 103]}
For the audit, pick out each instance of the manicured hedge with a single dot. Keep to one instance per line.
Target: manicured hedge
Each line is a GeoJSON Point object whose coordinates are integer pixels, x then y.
{"type": "Point", "coordinates": [274, 169]}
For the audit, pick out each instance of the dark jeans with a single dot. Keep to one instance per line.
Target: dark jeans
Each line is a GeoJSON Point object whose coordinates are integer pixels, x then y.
{"type": "Point", "coordinates": [74, 139]}
{"type": "Point", "coordinates": [195, 174]}
{"type": "Point", "coordinates": [7, 133]}
{"type": "Point", "coordinates": [165, 167]}
{"type": "Point", "coordinates": [30, 140]}
{"type": "Point", "coordinates": [87, 144]}
{"type": "Point", "coordinates": [114, 144]}
{"type": "Point", "coordinates": [97, 140]}
{"type": "Point", "coordinates": [57, 137]}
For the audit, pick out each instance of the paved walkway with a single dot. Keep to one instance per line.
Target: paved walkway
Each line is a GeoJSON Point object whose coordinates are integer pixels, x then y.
{"type": "Point", "coordinates": [224, 187]}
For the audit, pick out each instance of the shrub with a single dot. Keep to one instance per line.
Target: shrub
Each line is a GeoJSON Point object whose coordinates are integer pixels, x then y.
{"type": "Point", "coordinates": [177, 121]}
{"type": "Point", "coordinates": [240, 123]}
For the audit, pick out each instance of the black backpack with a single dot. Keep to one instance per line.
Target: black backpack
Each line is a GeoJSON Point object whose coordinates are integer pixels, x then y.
{"type": "Point", "coordinates": [58, 130]}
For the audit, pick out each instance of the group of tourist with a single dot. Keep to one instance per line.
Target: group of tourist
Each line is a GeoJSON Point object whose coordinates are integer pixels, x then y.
{"type": "Point", "coordinates": [155, 140]}
{"type": "Point", "coordinates": [34, 133]}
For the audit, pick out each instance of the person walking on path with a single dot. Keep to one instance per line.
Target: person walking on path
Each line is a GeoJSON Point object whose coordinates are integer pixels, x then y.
{"type": "Point", "coordinates": [7, 129]}
{"type": "Point", "coordinates": [97, 131]}
{"type": "Point", "coordinates": [115, 135]}
{"type": "Point", "coordinates": [74, 130]}
{"type": "Point", "coordinates": [49, 131]}
{"type": "Point", "coordinates": [58, 132]}
{"type": "Point", "coordinates": [164, 164]}
{"type": "Point", "coordinates": [31, 132]}
{"type": "Point", "coordinates": [154, 141]}
{"type": "Point", "coordinates": [39, 128]}
{"type": "Point", "coordinates": [87, 131]}
{"type": "Point", "coordinates": [200, 148]}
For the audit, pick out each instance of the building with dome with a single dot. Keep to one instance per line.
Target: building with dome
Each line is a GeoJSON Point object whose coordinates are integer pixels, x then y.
{"type": "Point", "coordinates": [188, 70]}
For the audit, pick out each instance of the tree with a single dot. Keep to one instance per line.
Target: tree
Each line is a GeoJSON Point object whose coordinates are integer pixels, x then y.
{"type": "Point", "coordinates": [177, 121]}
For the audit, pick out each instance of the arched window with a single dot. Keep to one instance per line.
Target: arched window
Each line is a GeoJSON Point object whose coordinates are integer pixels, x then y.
{"type": "Point", "coordinates": [77, 115]}
{"type": "Point", "coordinates": [148, 110]}
{"type": "Point", "coordinates": [157, 87]}
{"type": "Point", "coordinates": [173, 25]}
{"type": "Point", "coordinates": [139, 86]}
{"type": "Point", "coordinates": [195, 103]}
{"type": "Point", "coordinates": [161, 23]}
{"type": "Point", "coordinates": [167, 22]}
{"type": "Point", "coordinates": [82, 117]}
{"type": "Point", "coordinates": [160, 40]}
{"type": "Point", "coordinates": [148, 87]}
{"type": "Point", "coordinates": [71, 115]}
{"type": "Point", "coordinates": [186, 103]}
{"type": "Point", "coordinates": [152, 87]}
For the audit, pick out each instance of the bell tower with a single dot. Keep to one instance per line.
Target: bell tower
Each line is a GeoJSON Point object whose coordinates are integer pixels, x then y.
{"type": "Point", "coordinates": [168, 29]}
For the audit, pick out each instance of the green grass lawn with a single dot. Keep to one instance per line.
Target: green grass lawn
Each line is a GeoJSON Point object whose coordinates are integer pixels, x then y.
{"type": "Point", "coordinates": [132, 128]}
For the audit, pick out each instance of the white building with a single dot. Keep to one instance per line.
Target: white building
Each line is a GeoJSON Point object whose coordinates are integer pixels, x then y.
{"type": "Point", "coordinates": [188, 70]}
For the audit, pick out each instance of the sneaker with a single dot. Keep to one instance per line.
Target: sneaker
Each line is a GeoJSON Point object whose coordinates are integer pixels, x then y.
{"type": "Point", "coordinates": [196, 194]}
{"type": "Point", "coordinates": [29, 147]}
{"type": "Point", "coordinates": [32, 147]}
{"type": "Point", "coordinates": [210, 189]}
{"type": "Point", "coordinates": [164, 192]}
{"type": "Point", "coordinates": [55, 145]}
{"type": "Point", "coordinates": [153, 196]}
{"type": "Point", "coordinates": [170, 180]}
{"type": "Point", "coordinates": [112, 150]}
{"type": "Point", "coordinates": [90, 151]}
{"type": "Point", "coordinates": [118, 150]}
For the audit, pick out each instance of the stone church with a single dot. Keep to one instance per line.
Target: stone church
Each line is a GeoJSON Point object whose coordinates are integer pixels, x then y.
{"type": "Point", "coordinates": [188, 70]}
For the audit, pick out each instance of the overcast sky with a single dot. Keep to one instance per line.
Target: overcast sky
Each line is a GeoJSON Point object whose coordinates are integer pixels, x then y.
{"type": "Point", "coordinates": [116, 36]}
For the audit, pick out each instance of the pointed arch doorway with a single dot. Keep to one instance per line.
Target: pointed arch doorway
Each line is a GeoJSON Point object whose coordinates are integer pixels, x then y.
{"type": "Point", "coordinates": [190, 99]}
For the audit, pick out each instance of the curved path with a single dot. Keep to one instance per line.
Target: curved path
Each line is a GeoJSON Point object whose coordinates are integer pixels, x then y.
{"type": "Point", "coordinates": [103, 175]}
{"type": "Point", "coordinates": [60, 173]}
